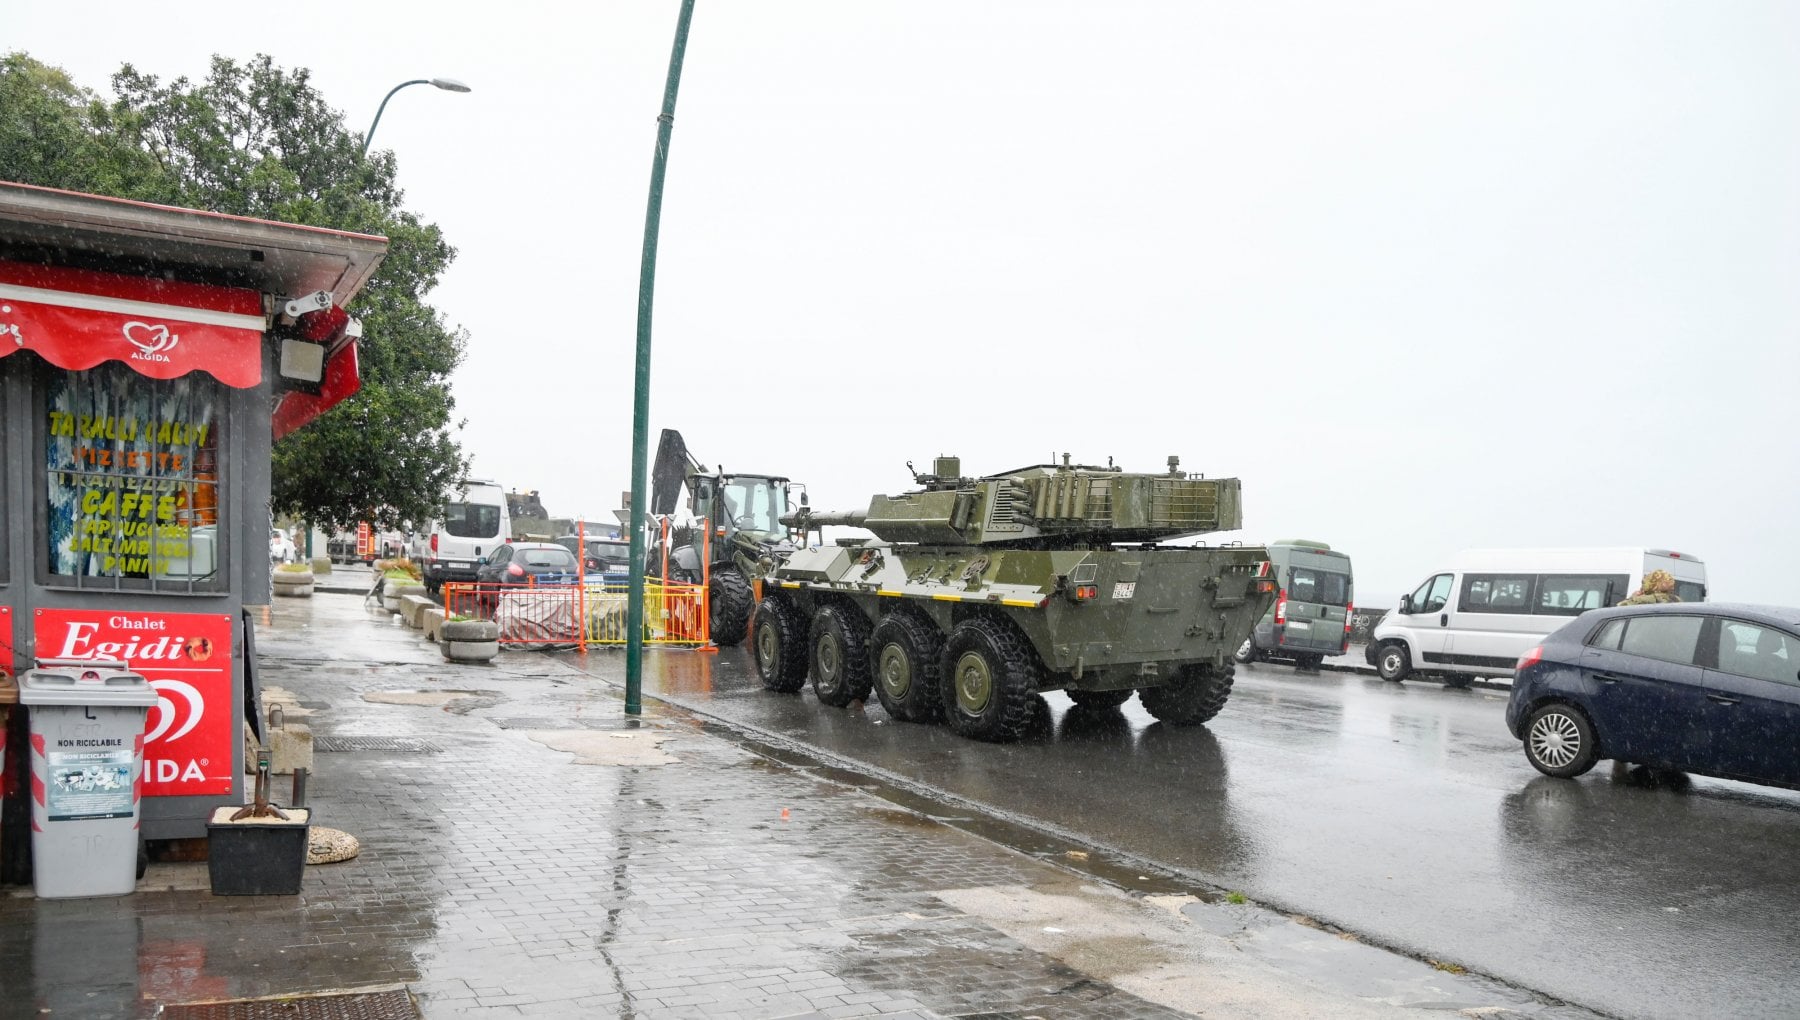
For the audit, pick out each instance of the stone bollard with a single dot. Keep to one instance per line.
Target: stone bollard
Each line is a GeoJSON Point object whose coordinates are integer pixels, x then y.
{"type": "Point", "coordinates": [412, 609]}
{"type": "Point", "coordinates": [292, 583]}
{"type": "Point", "coordinates": [432, 623]}
{"type": "Point", "coordinates": [471, 640]}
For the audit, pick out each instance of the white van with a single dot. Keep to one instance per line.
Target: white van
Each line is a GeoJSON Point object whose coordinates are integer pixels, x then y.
{"type": "Point", "coordinates": [1489, 606]}
{"type": "Point", "coordinates": [475, 521]}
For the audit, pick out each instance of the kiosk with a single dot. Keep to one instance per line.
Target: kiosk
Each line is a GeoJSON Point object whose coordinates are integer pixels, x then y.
{"type": "Point", "coordinates": [149, 358]}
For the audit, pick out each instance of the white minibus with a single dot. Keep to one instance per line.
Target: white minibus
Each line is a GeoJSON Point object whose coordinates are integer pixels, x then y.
{"type": "Point", "coordinates": [475, 520]}
{"type": "Point", "coordinates": [1489, 606]}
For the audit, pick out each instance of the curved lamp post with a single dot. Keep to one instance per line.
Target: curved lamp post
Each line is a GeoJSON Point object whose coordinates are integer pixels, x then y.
{"type": "Point", "coordinates": [447, 84]}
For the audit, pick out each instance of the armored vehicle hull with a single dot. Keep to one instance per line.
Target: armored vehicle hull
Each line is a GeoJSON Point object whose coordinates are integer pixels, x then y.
{"type": "Point", "coordinates": [973, 632]}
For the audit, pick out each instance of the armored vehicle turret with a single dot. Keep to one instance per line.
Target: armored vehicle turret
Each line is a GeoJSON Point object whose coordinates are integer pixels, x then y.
{"type": "Point", "coordinates": [977, 594]}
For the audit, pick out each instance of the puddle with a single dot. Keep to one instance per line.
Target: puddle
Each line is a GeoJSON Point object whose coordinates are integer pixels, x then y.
{"type": "Point", "coordinates": [435, 698]}
{"type": "Point", "coordinates": [608, 747]}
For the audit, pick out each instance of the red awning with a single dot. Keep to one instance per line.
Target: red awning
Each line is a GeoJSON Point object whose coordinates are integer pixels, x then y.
{"type": "Point", "coordinates": [342, 379]}
{"type": "Point", "coordinates": [77, 318]}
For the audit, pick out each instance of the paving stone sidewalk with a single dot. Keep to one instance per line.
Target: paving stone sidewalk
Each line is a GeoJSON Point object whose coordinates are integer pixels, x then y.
{"type": "Point", "coordinates": [526, 850]}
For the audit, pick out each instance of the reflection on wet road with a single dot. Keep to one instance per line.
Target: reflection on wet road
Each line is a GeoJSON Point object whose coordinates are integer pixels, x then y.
{"type": "Point", "coordinates": [1402, 812]}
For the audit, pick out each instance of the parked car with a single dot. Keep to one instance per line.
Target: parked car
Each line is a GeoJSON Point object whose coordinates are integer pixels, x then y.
{"type": "Point", "coordinates": [281, 547]}
{"type": "Point", "coordinates": [610, 557]}
{"type": "Point", "coordinates": [1475, 616]}
{"type": "Point", "coordinates": [1311, 617]}
{"type": "Point", "coordinates": [521, 563]}
{"type": "Point", "coordinates": [1709, 688]}
{"type": "Point", "coordinates": [475, 524]}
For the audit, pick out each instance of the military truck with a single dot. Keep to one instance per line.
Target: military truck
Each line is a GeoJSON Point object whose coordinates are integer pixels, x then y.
{"type": "Point", "coordinates": [977, 594]}
{"type": "Point", "coordinates": [744, 513]}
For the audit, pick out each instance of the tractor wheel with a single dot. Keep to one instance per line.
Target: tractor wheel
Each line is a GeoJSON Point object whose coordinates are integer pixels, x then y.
{"type": "Point", "coordinates": [1099, 699]}
{"type": "Point", "coordinates": [731, 600]}
{"type": "Point", "coordinates": [780, 645]}
{"type": "Point", "coordinates": [990, 680]}
{"type": "Point", "coordinates": [1194, 696]}
{"type": "Point", "coordinates": [840, 656]}
{"type": "Point", "coordinates": [904, 652]}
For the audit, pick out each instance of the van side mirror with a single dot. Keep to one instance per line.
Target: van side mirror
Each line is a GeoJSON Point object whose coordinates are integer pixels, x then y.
{"type": "Point", "coordinates": [1406, 605]}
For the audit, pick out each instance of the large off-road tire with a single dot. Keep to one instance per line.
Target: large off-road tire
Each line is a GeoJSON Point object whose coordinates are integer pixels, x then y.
{"type": "Point", "coordinates": [1193, 696]}
{"type": "Point", "coordinates": [1099, 699]}
{"type": "Point", "coordinates": [780, 645]}
{"type": "Point", "coordinates": [904, 652]}
{"type": "Point", "coordinates": [1560, 742]}
{"type": "Point", "coordinates": [1393, 662]}
{"type": "Point", "coordinates": [990, 680]}
{"type": "Point", "coordinates": [839, 655]}
{"type": "Point", "coordinates": [730, 600]}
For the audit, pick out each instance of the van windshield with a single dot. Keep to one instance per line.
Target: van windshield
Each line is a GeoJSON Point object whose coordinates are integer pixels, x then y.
{"type": "Point", "coordinates": [1327, 587]}
{"type": "Point", "coordinates": [472, 520]}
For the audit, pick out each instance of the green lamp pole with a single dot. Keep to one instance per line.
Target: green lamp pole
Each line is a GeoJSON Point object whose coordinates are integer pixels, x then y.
{"type": "Point", "coordinates": [640, 402]}
{"type": "Point", "coordinates": [447, 84]}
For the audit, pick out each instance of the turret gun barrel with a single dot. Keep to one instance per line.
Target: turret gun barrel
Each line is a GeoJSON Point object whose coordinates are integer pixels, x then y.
{"type": "Point", "coordinates": [805, 519]}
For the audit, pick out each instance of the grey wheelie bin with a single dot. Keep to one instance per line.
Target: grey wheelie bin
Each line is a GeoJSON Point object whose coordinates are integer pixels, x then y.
{"type": "Point", "coordinates": [87, 757]}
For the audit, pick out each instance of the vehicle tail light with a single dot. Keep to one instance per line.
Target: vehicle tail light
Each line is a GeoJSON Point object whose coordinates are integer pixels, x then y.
{"type": "Point", "coordinates": [1530, 658]}
{"type": "Point", "coordinates": [1281, 608]}
{"type": "Point", "coordinates": [1349, 614]}
{"type": "Point", "coordinates": [1263, 585]}
{"type": "Point", "coordinates": [515, 570]}
{"type": "Point", "coordinates": [1086, 592]}
{"type": "Point", "coordinates": [434, 541]}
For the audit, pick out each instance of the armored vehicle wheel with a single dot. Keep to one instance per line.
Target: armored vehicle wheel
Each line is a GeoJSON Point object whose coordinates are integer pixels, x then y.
{"type": "Point", "coordinates": [730, 600]}
{"type": "Point", "coordinates": [1246, 652]}
{"type": "Point", "coordinates": [840, 656]}
{"type": "Point", "coordinates": [990, 680]}
{"type": "Point", "coordinates": [904, 652]}
{"type": "Point", "coordinates": [1099, 699]}
{"type": "Point", "coordinates": [1195, 695]}
{"type": "Point", "coordinates": [1392, 662]}
{"type": "Point", "coordinates": [780, 645]}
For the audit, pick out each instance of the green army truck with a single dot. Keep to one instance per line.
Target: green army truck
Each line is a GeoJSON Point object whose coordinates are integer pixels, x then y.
{"type": "Point", "coordinates": [975, 595]}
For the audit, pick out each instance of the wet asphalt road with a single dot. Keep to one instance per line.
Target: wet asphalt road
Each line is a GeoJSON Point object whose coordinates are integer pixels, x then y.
{"type": "Point", "coordinates": [1403, 813]}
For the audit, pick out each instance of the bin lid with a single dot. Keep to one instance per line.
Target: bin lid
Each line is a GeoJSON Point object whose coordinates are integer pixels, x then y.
{"type": "Point", "coordinates": [86, 685]}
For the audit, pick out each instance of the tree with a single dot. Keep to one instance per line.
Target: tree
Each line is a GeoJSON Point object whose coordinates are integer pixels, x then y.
{"type": "Point", "coordinates": [256, 140]}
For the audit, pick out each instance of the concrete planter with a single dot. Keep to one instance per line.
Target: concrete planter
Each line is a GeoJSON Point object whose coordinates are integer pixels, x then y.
{"type": "Point", "coordinates": [471, 640]}
{"type": "Point", "coordinates": [292, 583]}
{"type": "Point", "coordinates": [394, 589]}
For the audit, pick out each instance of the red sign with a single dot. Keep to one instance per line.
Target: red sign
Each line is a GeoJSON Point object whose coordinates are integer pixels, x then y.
{"type": "Point", "coordinates": [77, 319]}
{"type": "Point", "coordinates": [190, 734]}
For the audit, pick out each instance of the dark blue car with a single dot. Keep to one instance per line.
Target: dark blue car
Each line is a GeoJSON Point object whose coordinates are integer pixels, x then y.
{"type": "Point", "coordinates": [1706, 687]}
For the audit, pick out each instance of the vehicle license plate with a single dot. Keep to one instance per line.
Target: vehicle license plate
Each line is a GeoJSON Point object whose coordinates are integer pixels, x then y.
{"type": "Point", "coordinates": [1299, 625]}
{"type": "Point", "coordinates": [458, 566]}
{"type": "Point", "coordinates": [1124, 589]}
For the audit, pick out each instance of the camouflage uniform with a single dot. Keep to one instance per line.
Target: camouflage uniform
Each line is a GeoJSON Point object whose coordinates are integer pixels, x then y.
{"type": "Point", "coordinates": [1659, 586]}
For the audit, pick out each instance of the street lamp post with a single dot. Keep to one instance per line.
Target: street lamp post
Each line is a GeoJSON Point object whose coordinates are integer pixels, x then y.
{"type": "Point", "coordinates": [447, 84]}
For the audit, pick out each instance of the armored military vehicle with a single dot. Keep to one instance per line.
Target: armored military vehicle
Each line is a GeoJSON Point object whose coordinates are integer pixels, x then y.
{"type": "Point", "coordinates": [977, 594]}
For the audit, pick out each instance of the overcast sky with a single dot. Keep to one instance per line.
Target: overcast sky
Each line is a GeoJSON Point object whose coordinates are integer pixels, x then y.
{"type": "Point", "coordinates": [1425, 276]}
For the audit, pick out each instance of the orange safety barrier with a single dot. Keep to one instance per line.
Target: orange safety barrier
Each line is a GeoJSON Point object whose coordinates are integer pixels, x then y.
{"type": "Point", "coordinates": [582, 614]}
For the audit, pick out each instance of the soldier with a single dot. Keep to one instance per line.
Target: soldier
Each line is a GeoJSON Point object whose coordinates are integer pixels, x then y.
{"type": "Point", "coordinates": [1659, 586]}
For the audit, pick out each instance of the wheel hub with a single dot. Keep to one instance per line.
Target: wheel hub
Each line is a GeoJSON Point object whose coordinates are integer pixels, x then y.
{"type": "Point", "coordinates": [830, 658]}
{"type": "Point", "coordinates": [767, 647]}
{"type": "Point", "coordinates": [896, 674]}
{"type": "Point", "coordinates": [974, 684]}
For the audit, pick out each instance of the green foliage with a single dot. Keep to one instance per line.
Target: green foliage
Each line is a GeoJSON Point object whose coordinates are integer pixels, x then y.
{"type": "Point", "coordinates": [256, 140]}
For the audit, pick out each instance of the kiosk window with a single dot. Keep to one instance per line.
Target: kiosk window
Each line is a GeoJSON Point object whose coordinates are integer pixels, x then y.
{"type": "Point", "coordinates": [130, 480]}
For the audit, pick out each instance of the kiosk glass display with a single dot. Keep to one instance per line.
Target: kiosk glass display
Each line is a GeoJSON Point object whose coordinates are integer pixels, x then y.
{"type": "Point", "coordinates": [130, 481]}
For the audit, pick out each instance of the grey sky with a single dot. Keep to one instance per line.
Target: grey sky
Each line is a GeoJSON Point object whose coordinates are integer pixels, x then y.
{"type": "Point", "coordinates": [1425, 276]}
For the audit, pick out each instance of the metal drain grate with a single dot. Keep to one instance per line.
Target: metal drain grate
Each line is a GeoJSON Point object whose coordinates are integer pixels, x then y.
{"type": "Point", "coordinates": [389, 1004]}
{"type": "Point", "coordinates": [406, 745]}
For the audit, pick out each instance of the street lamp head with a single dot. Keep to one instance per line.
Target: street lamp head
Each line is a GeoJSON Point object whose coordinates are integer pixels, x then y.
{"type": "Point", "coordinates": [450, 85]}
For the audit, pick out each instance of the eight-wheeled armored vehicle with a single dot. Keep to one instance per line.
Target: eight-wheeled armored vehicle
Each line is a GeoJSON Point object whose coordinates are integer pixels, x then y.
{"type": "Point", "coordinates": [977, 594]}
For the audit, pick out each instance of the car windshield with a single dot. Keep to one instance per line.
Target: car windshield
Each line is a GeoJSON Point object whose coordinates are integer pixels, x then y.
{"type": "Point", "coordinates": [610, 552]}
